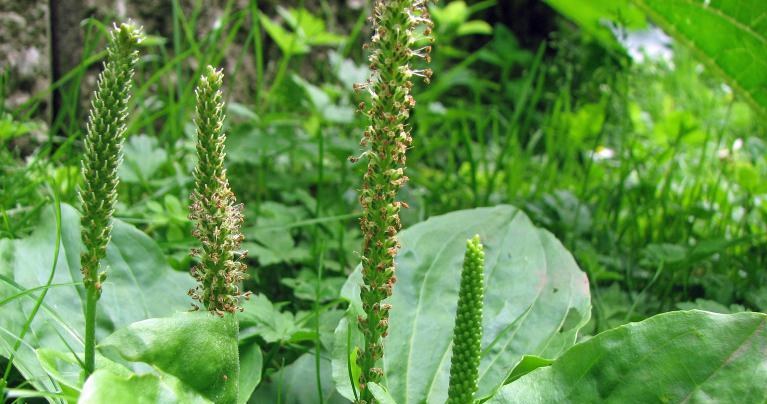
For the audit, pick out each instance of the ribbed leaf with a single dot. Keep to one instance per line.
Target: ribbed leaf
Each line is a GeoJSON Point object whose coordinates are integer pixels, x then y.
{"type": "Point", "coordinates": [728, 36]}
{"type": "Point", "coordinates": [536, 299]}
{"type": "Point", "coordinates": [200, 349]}
{"type": "Point", "coordinates": [678, 357]}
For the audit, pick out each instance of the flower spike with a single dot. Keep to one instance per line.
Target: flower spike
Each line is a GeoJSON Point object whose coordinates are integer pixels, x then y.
{"type": "Point", "coordinates": [396, 25]}
{"type": "Point", "coordinates": [214, 210]}
{"type": "Point", "coordinates": [104, 136]}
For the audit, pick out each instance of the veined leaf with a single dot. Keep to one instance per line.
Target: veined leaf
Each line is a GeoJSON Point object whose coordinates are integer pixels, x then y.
{"type": "Point", "coordinates": [677, 357]}
{"type": "Point", "coordinates": [728, 36]}
{"type": "Point", "coordinates": [536, 299]}
{"type": "Point", "coordinates": [200, 349]}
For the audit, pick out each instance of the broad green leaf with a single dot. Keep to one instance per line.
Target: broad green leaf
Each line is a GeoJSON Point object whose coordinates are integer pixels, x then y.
{"type": "Point", "coordinates": [251, 363]}
{"type": "Point", "coordinates": [199, 348]}
{"type": "Point", "coordinates": [677, 357]}
{"type": "Point", "coordinates": [139, 285]}
{"type": "Point", "coordinates": [728, 36]}
{"type": "Point", "coordinates": [536, 299]}
{"type": "Point", "coordinates": [105, 386]}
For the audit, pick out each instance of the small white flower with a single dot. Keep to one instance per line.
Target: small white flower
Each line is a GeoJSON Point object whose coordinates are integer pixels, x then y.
{"type": "Point", "coordinates": [737, 144]}
{"type": "Point", "coordinates": [602, 153]}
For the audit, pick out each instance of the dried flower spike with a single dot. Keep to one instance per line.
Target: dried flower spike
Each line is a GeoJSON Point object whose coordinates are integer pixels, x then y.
{"type": "Point", "coordinates": [105, 132]}
{"type": "Point", "coordinates": [217, 216]}
{"type": "Point", "coordinates": [467, 336]}
{"type": "Point", "coordinates": [396, 26]}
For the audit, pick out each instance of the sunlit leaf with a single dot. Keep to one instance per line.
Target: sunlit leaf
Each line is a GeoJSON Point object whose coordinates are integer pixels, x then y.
{"type": "Point", "coordinates": [677, 357]}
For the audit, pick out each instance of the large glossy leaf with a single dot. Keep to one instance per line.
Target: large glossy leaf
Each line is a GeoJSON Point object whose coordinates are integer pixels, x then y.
{"type": "Point", "coordinates": [536, 299]}
{"type": "Point", "coordinates": [729, 36]}
{"type": "Point", "coordinates": [107, 386]}
{"type": "Point", "coordinates": [139, 285]}
{"type": "Point", "coordinates": [200, 349]}
{"type": "Point", "coordinates": [678, 357]}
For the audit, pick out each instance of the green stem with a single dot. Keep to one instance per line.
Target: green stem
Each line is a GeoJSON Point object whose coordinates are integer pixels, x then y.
{"type": "Point", "coordinates": [92, 299]}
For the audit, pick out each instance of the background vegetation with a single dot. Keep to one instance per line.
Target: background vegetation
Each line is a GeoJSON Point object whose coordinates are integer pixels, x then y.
{"type": "Point", "coordinates": [642, 162]}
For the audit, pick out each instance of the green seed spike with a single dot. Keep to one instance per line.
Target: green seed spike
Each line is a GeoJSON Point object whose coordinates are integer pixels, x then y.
{"type": "Point", "coordinates": [105, 132]}
{"type": "Point", "coordinates": [467, 336]}
{"type": "Point", "coordinates": [398, 26]}
{"type": "Point", "coordinates": [214, 210]}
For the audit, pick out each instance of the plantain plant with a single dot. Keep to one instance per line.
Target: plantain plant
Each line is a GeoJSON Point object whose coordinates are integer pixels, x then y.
{"type": "Point", "coordinates": [216, 215]}
{"type": "Point", "coordinates": [105, 132]}
{"type": "Point", "coordinates": [396, 25]}
{"type": "Point", "coordinates": [388, 136]}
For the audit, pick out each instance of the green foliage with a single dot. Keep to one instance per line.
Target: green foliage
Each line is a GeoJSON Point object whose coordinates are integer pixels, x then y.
{"type": "Point", "coordinates": [296, 384]}
{"type": "Point", "coordinates": [143, 157]}
{"type": "Point", "coordinates": [728, 36]}
{"type": "Point", "coordinates": [453, 21]}
{"type": "Point", "coordinates": [647, 170]}
{"type": "Point", "coordinates": [395, 26]}
{"type": "Point", "coordinates": [467, 334]}
{"type": "Point", "coordinates": [673, 357]}
{"type": "Point", "coordinates": [106, 386]}
{"type": "Point", "coordinates": [307, 30]}
{"type": "Point", "coordinates": [199, 349]}
{"type": "Point", "coordinates": [594, 15]}
{"type": "Point", "coordinates": [138, 274]}
{"type": "Point", "coordinates": [535, 302]}
{"type": "Point", "coordinates": [217, 217]}
{"type": "Point", "coordinates": [262, 318]}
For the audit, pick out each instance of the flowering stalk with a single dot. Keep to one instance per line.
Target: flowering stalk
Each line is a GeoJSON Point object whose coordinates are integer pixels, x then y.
{"type": "Point", "coordinates": [467, 336]}
{"type": "Point", "coordinates": [105, 132]}
{"type": "Point", "coordinates": [392, 51]}
{"type": "Point", "coordinates": [217, 216]}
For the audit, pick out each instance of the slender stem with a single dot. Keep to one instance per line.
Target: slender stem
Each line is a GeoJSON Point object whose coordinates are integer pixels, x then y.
{"type": "Point", "coordinates": [92, 299]}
